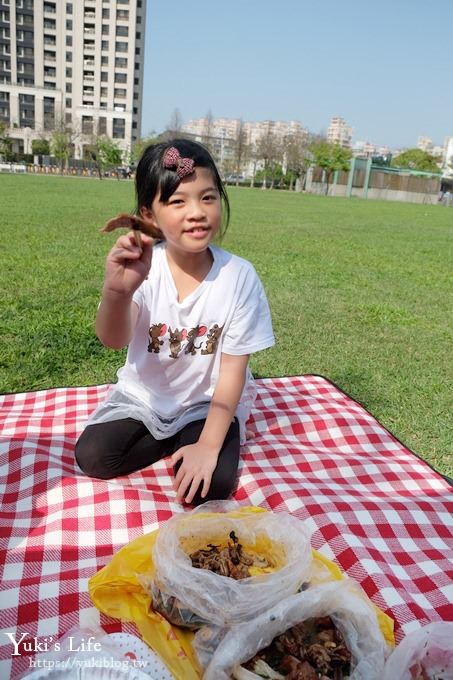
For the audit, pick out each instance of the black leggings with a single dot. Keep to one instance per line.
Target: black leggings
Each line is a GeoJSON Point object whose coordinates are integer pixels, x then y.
{"type": "Point", "coordinates": [119, 447]}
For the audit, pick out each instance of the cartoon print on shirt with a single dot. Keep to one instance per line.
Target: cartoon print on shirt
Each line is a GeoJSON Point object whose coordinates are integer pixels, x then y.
{"type": "Point", "coordinates": [192, 335]}
{"type": "Point", "coordinates": [212, 339]}
{"type": "Point", "coordinates": [176, 338]}
{"type": "Point", "coordinates": [156, 331]}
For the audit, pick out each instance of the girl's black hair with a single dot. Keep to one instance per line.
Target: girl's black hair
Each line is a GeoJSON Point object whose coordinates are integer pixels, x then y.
{"type": "Point", "coordinates": [152, 178]}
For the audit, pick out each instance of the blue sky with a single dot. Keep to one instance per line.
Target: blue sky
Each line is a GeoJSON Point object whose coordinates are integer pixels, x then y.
{"type": "Point", "coordinates": [386, 67]}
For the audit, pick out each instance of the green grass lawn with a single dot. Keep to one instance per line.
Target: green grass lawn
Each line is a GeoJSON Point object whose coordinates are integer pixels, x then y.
{"type": "Point", "coordinates": [360, 291]}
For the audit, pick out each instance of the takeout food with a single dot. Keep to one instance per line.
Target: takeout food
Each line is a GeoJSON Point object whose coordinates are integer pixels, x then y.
{"type": "Point", "coordinates": [310, 650]}
{"type": "Point", "coordinates": [327, 632]}
{"type": "Point", "coordinates": [232, 561]}
{"type": "Point", "coordinates": [249, 560]}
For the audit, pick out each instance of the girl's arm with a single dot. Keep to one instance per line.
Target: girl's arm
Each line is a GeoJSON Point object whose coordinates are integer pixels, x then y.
{"type": "Point", "coordinates": [199, 460]}
{"type": "Point", "coordinates": [126, 268]}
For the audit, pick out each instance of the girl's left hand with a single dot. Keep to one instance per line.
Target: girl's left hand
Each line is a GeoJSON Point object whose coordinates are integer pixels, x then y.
{"type": "Point", "coordinates": [198, 464]}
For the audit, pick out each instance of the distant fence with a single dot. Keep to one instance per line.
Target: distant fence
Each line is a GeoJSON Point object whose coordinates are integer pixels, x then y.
{"type": "Point", "coordinates": [371, 181]}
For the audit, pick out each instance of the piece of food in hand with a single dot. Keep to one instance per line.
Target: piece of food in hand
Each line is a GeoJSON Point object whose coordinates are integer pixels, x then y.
{"type": "Point", "coordinates": [137, 224]}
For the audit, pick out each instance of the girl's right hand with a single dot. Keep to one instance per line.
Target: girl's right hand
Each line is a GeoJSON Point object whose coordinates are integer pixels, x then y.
{"type": "Point", "coordinates": [127, 266]}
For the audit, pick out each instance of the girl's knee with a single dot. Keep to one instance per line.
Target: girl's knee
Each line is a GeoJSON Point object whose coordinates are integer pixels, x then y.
{"type": "Point", "coordinates": [91, 461]}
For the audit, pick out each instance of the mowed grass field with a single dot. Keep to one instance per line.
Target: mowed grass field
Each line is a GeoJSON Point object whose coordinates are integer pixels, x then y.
{"type": "Point", "coordinates": [360, 292]}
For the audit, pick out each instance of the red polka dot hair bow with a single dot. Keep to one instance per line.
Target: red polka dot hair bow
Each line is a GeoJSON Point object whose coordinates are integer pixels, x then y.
{"type": "Point", "coordinates": [173, 161]}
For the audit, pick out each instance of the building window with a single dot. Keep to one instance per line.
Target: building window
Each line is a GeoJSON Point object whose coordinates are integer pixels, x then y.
{"type": "Point", "coordinates": [104, 60]}
{"type": "Point", "coordinates": [68, 102]}
{"type": "Point", "coordinates": [27, 110]}
{"type": "Point", "coordinates": [49, 113]}
{"type": "Point", "coordinates": [121, 46]}
{"type": "Point", "coordinates": [68, 56]}
{"type": "Point", "coordinates": [104, 92]}
{"type": "Point", "coordinates": [119, 128]}
{"type": "Point", "coordinates": [68, 72]}
{"type": "Point", "coordinates": [120, 77]}
{"type": "Point", "coordinates": [137, 50]}
{"type": "Point", "coordinates": [105, 29]}
{"type": "Point", "coordinates": [104, 76]}
{"type": "Point", "coordinates": [120, 93]}
{"type": "Point", "coordinates": [104, 45]}
{"type": "Point", "coordinates": [69, 41]}
{"type": "Point", "coordinates": [138, 35]}
{"type": "Point", "coordinates": [105, 13]}
{"type": "Point", "coordinates": [102, 125]}
{"type": "Point", "coordinates": [136, 81]}
{"type": "Point", "coordinates": [69, 8]}
{"type": "Point", "coordinates": [69, 24]}
{"type": "Point", "coordinates": [122, 14]}
{"type": "Point", "coordinates": [87, 125]}
{"type": "Point", "coordinates": [121, 62]}
{"type": "Point", "coordinates": [122, 31]}
{"type": "Point", "coordinates": [68, 87]}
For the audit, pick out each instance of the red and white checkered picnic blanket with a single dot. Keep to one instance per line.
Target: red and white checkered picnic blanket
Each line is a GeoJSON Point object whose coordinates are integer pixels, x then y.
{"type": "Point", "coordinates": [378, 511]}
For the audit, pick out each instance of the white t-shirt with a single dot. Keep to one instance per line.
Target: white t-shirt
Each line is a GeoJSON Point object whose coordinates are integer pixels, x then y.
{"type": "Point", "coordinates": [173, 359]}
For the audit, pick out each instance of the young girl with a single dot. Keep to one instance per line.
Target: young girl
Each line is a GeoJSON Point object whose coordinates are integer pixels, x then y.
{"type": "Point", "coordinates": [191, 315]}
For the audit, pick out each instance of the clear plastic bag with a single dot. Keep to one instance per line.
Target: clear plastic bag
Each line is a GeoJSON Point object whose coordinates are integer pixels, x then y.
{"type": "Point", "coordinates": [346, 604]}
{"type": "Point", "coordinates": [189, 596]}
{"type": "Point", "coordinates": [424, 653]}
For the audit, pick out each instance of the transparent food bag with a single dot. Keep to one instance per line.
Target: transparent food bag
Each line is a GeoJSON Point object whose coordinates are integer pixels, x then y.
{"type": "Point", "coordinates": [424, 654]}
{"type": "Point", "coordinates": [346, 604]}
{"type": "Point", "coordinates": [190, 596]}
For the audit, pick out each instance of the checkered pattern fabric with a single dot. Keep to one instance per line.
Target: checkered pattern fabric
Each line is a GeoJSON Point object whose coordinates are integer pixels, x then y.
{"type": "Point", "coordinates": [382, 514]}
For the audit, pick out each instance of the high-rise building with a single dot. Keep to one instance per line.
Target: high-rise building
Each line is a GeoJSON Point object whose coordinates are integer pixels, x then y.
{"type": "Point", "coordinates": [339, 132]}
{"type": "Point", "coordinates": [78, 64]}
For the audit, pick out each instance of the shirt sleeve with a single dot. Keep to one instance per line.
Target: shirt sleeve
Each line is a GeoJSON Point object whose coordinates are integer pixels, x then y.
{"type": "Point", "coordinates": [250, 326]}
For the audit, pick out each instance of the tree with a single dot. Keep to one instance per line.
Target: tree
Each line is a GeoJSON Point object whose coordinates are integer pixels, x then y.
{"type": "Point", "coordinates": [175, 124]}
{"type": "Point", "coordinates": [241, 150]}
{"type": "Point", "coordinates": [141, 144]}
{"type": "Point", "coordinates": [298, 156]}
{"type": "Point", "coordinates": [6, 144]}
{"type": "Point", "coordinates": [330, 157]}
{"type": "Point", "coordinates": [417, 159]}
{"type": "Point", "coordinates": [62, 143]}
{"type": "Point", "coordinates": [105, 153]}
{"type": "Point", "coordinates": [40, 147]}
{"type": "Point", "coordinates": [270, 150]}
{"type": "Point", "coordinates": [208, 131]}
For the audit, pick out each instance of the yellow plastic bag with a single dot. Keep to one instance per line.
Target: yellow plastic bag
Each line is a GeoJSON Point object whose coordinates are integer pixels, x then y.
{"type": "Point", "coordinates": [116, 591]}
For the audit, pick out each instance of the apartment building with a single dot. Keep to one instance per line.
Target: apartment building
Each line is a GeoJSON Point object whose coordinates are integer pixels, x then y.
{"type": "Point", "coordinates": [339, 132]}
{"type": "Point", "coordinates": [76, 63]}
{"type": "Point", "coordinates": [229, 128]}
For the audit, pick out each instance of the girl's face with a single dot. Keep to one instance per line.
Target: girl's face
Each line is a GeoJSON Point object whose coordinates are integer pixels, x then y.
{"type": "Point", "coordinates": [191, 217]}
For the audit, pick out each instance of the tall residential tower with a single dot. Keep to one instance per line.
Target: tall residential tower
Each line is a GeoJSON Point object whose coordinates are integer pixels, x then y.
{"type": "Point", "coordinates": [74, 63]}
